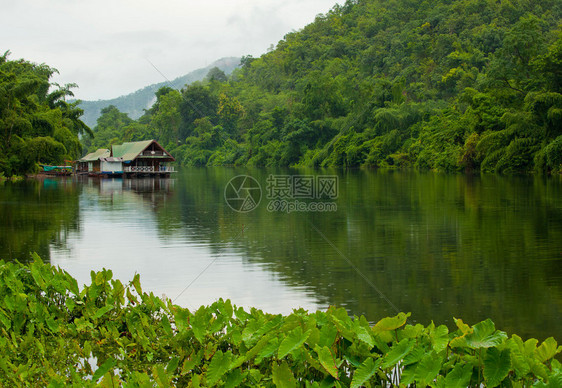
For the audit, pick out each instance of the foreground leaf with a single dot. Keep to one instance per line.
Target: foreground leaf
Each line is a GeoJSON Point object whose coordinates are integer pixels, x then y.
{"type": "Point", "coordinates": [218, 367]}
{"type": "Point", "coordinates": [327, 361]}
{"type": "Point", "coordinates": [485, 335]}
{"type": "Point", "coordinates": [282, 376]}
{"type": "Point", "coordinates": [103, 369]}
{"type": "Point", "coordinates": [548, 349]}
{"type": "Point", "coordinates": [397, 353]}
{"type": "Point", "coordinates": [459, 377]}
{"type": "Point", "coordinates": [365, 372]}
{"type": "Point", "coordinates": [391, 323]}
{"type": "Point", "coordinates": [497, 365]}
{"type": "Point", "coordinates": [428, 368]}
{"type": "Point", "coordinates": [293, 340]}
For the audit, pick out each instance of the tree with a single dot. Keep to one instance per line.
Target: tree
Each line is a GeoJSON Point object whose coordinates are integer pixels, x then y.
{"type": "Point", "coordinates": [110, 125]}
{"type": "Point", "coordinates": [166, 119]}
{"type": "Point", "coordinates": [229, 112]}
{"type": "Point", "coordinates": [216, 74]}
{"type": "Point", "coordinates": [35, 125]}
{"type": "Point", "coordinates": [197, 102]}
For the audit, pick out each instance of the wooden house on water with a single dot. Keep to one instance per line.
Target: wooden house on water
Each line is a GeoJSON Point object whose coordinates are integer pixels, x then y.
{"type": "Point", "coordinates": [91, 163]}
{"type": "Point", "coordinates": [132, 159]}
{"type": "Point", "coordinates": [144, 158]}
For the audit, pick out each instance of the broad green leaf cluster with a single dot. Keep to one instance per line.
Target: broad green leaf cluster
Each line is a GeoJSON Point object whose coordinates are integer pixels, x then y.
{"type": "Point", "coordinates": [53, 333]}
{"type": "Point", "coordinates": [37, 124]}
{"type": "Point", "coordinates": [443, 85]}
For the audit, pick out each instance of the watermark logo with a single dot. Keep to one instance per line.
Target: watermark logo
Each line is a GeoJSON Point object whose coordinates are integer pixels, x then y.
{"type": "Point", "coordinates": [286, 193]}
{"type": "Point", "coordinates": [302, 187]}
{"type": "Point", "coordinates": [302, 193]}
{"type": "Point", "coordinates": [242, 193]}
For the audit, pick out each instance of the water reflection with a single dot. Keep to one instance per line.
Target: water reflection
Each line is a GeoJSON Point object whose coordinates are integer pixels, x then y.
{"type": "Point", "coordinates": [135, 226]}
{"type": "Point", "coordinates": [436, 245]}
{"type": "Point", "coordinates": [36, 215]}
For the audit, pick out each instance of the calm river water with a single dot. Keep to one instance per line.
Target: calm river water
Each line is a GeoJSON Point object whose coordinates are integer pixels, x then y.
{"type": "Point", "coordinates": [439, 246]}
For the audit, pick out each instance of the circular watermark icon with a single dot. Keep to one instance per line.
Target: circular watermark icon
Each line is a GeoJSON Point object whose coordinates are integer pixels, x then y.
{"type": "Point", "coordinates": [242, 193]}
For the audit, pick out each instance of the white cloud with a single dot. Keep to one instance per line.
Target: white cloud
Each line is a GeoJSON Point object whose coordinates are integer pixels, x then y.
{"type": "Point", "coordinates": [103, 46]}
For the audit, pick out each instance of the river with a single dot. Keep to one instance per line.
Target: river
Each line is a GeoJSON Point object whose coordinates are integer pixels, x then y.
{"type": "Point", "coordinates": [439, 246]}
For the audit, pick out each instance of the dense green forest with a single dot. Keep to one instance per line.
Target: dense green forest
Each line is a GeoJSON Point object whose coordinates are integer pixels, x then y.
{"type": "Point", "coordinates": [445, 85]}
{"type": "Point", "coordinates": [37, 124]}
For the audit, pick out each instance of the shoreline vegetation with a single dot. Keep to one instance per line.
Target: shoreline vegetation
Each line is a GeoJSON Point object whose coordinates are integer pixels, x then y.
{"type": "Point", "coordinates": [466, 85]}
{"type": "Point", "coordinates": [37, 124]}
{"type": "Point", "coordinates": [54, 333]}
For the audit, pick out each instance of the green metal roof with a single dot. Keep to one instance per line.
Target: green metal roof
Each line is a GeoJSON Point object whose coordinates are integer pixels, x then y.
{"type": "Point", "coordinates": [93, 156]}
{"type": "Point", "coordinates": [130, 151]}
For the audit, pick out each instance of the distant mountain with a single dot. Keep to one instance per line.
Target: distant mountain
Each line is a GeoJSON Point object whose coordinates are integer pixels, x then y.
{"type": "Point", "coordinates": [134, 103]}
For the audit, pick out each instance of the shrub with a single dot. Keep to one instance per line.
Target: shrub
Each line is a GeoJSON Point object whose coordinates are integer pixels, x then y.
{"type": "Point", "coordinates": [51, 332]}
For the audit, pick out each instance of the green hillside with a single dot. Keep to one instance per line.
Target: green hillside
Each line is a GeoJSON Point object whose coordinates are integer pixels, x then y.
{"type": "Point", "coordinates": [445, 85]}
{"type": "Point", "coordinates": [135, 103]}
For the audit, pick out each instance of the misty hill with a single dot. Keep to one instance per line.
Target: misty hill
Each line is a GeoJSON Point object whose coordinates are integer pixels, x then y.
{"type": "Point", "coordinates": [134, 103]}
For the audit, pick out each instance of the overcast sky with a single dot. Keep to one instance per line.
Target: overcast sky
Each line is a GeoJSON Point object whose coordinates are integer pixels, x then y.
{"type": "Point", "coordinates": [104, 45]}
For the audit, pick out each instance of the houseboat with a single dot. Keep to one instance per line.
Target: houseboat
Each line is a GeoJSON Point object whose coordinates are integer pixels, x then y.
{"type": "Point", "coordinates": [132, 159]}
{"type": "Point", "coordinates": [91, 163]}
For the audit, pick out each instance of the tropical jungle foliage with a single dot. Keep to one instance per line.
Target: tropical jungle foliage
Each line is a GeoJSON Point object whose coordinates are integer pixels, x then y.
{"type": "Point", "coordinates": [54, 333]}
{"type": "Point", "coordinates": [445, 85]}
{"type": "Point", "coordinates": [37, 125]}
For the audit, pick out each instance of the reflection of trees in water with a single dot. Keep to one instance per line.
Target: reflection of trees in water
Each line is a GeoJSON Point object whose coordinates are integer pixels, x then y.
{"type": "Point", "coordinates": [437, 245]}
{"type": "Point", "coordinates": [36, 214]}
